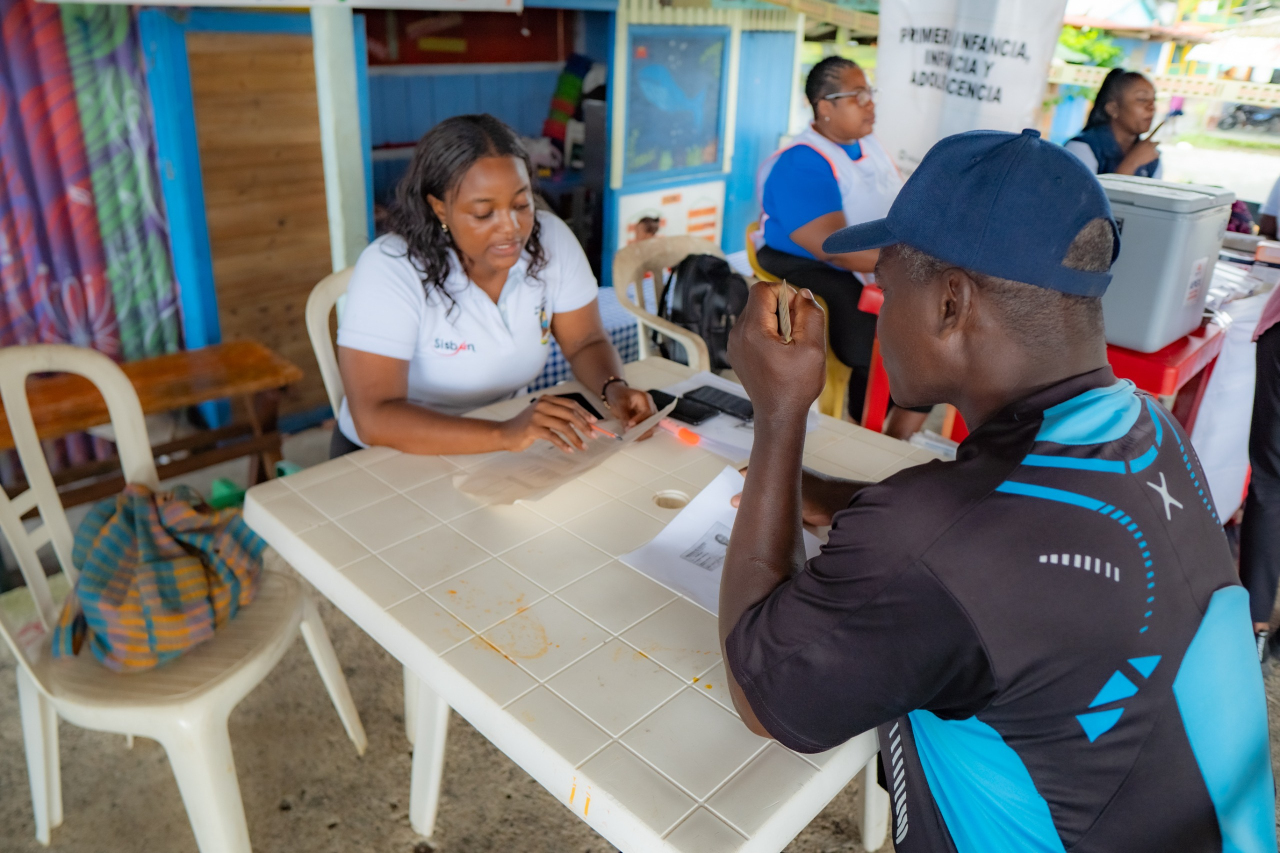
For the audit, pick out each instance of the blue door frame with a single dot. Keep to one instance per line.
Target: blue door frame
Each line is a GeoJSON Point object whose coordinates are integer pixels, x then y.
{"type": "Point", "coordinates": [164, 47]}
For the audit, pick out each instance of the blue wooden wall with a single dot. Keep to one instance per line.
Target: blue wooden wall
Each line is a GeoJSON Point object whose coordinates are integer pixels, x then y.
{"type": "Point", "coordinates": [405, 107]}
{"type": "Point", "coordinates": [764, 102]}
{"type": "Point", "coordinates": [402, 108]}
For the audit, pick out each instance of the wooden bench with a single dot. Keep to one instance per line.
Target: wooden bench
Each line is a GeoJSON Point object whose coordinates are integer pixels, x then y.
{"type": "Point", "coordinates": [65, 403]}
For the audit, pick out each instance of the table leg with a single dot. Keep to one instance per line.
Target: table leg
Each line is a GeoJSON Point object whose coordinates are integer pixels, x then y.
{"type": "Point", "coordinates": [1186, 404]}
{"type": "Point", "coordinates": [264, 410]}
{"type": "Point", "coordinates": [876, 405]}
{"type": "Point", "coordinates": [431, 716]}
{"type": "Point", "coordinates": [410, 705]}
{"type": "Point", "coordinates": [875, 808]}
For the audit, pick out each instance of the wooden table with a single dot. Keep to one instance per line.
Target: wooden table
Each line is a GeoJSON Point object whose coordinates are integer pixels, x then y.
{"type": "Point", "coordinates": [604, 686]}
{"type": "Point", "coordinates": [65, 403]}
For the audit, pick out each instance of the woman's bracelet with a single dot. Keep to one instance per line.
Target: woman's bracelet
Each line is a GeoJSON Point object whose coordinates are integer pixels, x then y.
{"type": "Point", "coordinates": [612, 379]}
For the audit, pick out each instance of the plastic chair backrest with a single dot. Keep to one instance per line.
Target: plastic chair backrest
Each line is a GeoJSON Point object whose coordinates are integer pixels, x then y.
{"type": "Point", "coordinates": [321, 301]}
{"type": "Point", "coordinates": [129, 425]}
{"type": "Point", "coordinates": [655, 256]}
{"type": "Point", "coordinates": [761, 272]}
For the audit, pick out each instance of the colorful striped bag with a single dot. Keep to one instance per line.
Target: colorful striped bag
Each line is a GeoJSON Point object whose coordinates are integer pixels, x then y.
{"type": "Point", "coordinates": [159, 573]}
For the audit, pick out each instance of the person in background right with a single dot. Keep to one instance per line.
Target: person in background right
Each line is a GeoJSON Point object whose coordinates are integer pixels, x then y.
{"type": "Point", "coordinates": [1260, 531]}
{"type": "Point", "coordinates": [1268, 211]}
{"type": "Point", "coordinates": [1111, 142]}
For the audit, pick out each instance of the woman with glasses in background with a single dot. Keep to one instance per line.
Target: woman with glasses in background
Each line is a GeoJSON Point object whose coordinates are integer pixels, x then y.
{"type": "Point", "coordinates": [833, 174]}
{"type": "Point", "coordinates": [1111, 142]}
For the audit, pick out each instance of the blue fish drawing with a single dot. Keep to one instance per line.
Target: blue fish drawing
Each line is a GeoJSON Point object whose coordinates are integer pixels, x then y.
{"type": "Point", "coordinates": [661, 89]}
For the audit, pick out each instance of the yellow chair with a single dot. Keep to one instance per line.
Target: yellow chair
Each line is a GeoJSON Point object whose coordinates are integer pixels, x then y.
{"type": "Point", "coordinates": [831, 401]}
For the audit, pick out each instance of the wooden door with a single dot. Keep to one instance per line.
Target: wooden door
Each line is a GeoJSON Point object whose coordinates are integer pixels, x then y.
{"type": "Point", "coordinates": [258, 129]}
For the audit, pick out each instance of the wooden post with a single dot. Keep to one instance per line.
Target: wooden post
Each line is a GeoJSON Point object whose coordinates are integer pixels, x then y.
{"type": "Point", "coordinates": [333, 40]}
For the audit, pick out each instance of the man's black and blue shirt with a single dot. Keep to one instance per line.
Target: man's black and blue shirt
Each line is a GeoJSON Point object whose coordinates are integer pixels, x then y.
{"type": "Point", "coordinates": [1048, 633]}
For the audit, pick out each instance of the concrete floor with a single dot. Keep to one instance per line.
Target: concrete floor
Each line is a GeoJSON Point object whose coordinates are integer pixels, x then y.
{"type": "Point", "coordinates": [303, 786]}
{"type": "Point", "coordinates": [1249, 173]}
{"type": "Point", "coordinates": [304, 789]}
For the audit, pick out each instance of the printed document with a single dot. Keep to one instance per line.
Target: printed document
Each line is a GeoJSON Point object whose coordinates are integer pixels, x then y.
{"type": "Point", "coordinates": [688, 555]}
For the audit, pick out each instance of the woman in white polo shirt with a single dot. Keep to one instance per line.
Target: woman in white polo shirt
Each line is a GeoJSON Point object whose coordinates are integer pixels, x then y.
{"type": "Point", "coordinates": [456, 307]}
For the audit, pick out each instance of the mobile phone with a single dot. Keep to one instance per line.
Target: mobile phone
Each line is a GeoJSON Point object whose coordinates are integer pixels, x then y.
{"type": "Point", "coordinates": [582, 401]}
{"type": "Point", "coordinates": [730, 404]}
{"type": "Point", "coordinates": [688, 411]}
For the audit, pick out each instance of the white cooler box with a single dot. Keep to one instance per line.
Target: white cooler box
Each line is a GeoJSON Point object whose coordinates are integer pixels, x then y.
{"type": "Point", "coordinates": [1169, 240]}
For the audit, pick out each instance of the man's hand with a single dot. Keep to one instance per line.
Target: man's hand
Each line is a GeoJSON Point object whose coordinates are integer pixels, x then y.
{"type": "Point", "coordinates": [781, 379]}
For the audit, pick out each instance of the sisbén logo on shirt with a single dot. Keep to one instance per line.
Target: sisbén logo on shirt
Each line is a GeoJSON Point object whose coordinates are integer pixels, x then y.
{"type": "Point", "coordinates": [451, 348]}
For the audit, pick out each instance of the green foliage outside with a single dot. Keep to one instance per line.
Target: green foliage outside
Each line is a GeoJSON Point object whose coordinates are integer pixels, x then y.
{"type": "Point", "coordinates": [1093, 46]}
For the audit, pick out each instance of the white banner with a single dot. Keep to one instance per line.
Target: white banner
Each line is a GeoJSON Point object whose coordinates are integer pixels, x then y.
{"type": "Point", "coordinates": [947, 66]}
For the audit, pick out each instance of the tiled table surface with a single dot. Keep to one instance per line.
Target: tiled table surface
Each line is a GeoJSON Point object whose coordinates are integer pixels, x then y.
{"type": "Point", "coordinates": [606, 687]}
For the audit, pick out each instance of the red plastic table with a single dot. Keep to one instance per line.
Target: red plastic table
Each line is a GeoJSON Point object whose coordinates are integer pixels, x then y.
{"type": "Point", "coordinates": [1178, 374]}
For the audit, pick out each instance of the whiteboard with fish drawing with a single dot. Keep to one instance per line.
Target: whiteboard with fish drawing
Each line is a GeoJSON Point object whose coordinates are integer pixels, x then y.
{"type": "Point", "coordinates": [675, 100]}
{"type": "Point", "coordinates": [693, 209]}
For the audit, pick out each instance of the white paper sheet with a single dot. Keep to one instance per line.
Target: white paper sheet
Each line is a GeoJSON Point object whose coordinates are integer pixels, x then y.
{"type": "Point", "coordinates": [728, 436]}
{"type": "Point", "coordinates": [688, 555]}
{"type": "Point", "coordinates": [542, 467]}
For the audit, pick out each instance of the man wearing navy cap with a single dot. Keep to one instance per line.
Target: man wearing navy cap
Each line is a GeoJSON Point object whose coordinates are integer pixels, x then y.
{"type": "Point", "coordinates": [1047, 632]}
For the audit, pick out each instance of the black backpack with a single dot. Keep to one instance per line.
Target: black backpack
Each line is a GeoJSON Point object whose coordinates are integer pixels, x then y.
{"type": "Point", "coordinates": [704, 295]}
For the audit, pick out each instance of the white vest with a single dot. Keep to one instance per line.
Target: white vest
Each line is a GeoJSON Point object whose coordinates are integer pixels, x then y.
{"type": "Point", "coordinates": [867, 185]}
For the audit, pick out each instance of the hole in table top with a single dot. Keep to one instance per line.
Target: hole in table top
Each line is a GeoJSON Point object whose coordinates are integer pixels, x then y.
{"type": "Point", "coordinates": [671, 499]}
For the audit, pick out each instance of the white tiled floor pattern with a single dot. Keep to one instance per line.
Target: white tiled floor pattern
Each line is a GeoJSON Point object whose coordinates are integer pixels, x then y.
{"type": "Point", "coordinates": [529, 603]}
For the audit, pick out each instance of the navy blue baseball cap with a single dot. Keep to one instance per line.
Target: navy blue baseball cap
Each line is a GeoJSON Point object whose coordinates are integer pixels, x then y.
{"type": "Point", "coordinates": [1005, 204]}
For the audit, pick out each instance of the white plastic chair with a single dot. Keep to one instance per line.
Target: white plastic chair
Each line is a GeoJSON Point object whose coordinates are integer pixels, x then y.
{"type": "Point", "coordinates": [654, 256]}
{"type": "Point", "coordinates": [321, 301]}
{"type": "Point", "coordinates": [427, 729]}
{"type": "Point", "coordinates": [183, 704]}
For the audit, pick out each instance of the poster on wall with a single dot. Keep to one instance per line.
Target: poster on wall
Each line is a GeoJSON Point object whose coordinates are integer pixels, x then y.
{"type": "Point", "coordinates": [414, 37]}
{"type": "Point", "coordinates": [947, 66]}
{"type": "Point", "coordinates": [675, 87]}
{"type": "Point", "coordinates": [696, 210]}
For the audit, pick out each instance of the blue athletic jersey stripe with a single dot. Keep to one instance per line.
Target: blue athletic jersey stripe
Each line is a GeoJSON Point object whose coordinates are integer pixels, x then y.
{"type": "Point", "coordinates": [1155, 416]}
{"type": "Point", "coordinates": [1094, 417]}
{"type": "Point", "coordinates": [1229, 737]}
{"type": "Point", "coordinates": [1005, 811]}
{"type": "Point", "coordinates": [1046, 493]}
{"type": "Point", "coordinates": [1145, 459]}
{"type": "Point", "coordinates": [1109, 466]}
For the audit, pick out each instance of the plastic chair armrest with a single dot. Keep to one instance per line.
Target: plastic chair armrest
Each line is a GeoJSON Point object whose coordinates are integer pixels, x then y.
{"type": "Point", "coordinates": [694, 346]}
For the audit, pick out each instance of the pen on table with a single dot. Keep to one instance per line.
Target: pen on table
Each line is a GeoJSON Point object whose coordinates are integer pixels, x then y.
{"type": "Point", "coordinates": [604, 431]}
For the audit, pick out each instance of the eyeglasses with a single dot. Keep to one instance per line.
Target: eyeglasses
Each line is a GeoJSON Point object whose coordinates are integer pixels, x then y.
{"type": "Point", "coordinates": [865, 95]}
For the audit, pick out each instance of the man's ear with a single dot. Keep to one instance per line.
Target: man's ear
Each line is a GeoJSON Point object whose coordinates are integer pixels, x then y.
{"type": "Point", "coordinates": [955, 301]}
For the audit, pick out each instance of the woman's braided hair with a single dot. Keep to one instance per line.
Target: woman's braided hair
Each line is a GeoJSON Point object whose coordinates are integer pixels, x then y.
{"type": "Point", "coordinates": [824, 78]}
{"type": "Point", "coordinates": [440, 161]}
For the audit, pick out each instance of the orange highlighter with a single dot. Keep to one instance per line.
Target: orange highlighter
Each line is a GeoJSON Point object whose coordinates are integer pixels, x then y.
{"type": "Point", "coordinates": [684, 434]}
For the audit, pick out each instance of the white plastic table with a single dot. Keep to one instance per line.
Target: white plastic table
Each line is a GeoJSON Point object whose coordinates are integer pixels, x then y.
{"type": "Point", "coordinates": [604, 686]}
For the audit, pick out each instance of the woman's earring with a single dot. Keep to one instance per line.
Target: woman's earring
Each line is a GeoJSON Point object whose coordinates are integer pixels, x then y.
{"type": "Point", "coordinates": [826, 118]}
{"type": "Point", "coordinates": [445, 227]}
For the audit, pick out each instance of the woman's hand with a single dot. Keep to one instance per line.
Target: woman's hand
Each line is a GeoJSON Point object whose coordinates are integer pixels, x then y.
{"type": "Point", "coordinates": [561, 422]}
{"type": "Point", "coordinates": [629, 405]}
{"type": "Point", "coordinates": [1142, 153]}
